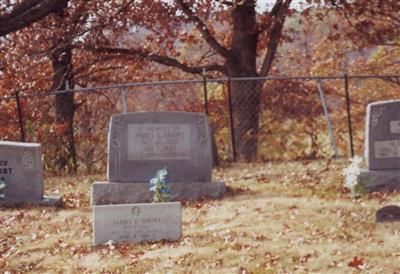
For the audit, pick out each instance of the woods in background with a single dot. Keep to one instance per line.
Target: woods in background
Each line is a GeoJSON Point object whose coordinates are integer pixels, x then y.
{"type": "Point", "coordinates": [62, 45]}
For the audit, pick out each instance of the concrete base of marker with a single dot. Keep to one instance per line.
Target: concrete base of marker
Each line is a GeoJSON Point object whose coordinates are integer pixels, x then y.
{"type": "Point", "coordinates": [105, 193]}
{"type": "Point", "coordinates": [379, 180]}
{"type": "Point", "coordinates": [55, 201]}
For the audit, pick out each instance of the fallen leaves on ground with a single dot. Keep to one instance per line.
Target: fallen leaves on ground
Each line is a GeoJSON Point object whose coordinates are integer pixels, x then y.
{"type": "Point", "coordinates": [276, 218]}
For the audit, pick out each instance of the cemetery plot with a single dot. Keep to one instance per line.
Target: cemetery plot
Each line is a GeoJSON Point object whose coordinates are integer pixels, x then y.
{"type": "Point", "coordinates": [139, 145]}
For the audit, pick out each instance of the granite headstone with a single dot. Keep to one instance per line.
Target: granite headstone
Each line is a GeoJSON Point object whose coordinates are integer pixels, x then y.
{"type": "Point", "coordinates": [137, 222]}
{"type": "Point", "coordinates": [382, 147]}
{"type": "Point", "coordinates": [139, 144]}
{"type": "Point", "coordinates": [21, 170]}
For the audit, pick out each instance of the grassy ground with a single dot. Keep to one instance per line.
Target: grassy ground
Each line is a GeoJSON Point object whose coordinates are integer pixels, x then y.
{"type": "Point", "coordinates": [291, 217]}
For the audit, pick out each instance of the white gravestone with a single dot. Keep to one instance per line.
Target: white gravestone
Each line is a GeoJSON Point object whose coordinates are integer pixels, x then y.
{"type": "Point", "coordinates": [22, 171]}
{"type": "Point", "coordinates": [382, 147]}
{"type": "Point", "coordinates": [137, 222]}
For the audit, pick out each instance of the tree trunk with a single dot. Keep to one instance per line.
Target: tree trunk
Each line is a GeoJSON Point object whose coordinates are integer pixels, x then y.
{"type": "Point", "coordinates": [61, 59]}
{"type": "Point", "coordinates": [245, 96]}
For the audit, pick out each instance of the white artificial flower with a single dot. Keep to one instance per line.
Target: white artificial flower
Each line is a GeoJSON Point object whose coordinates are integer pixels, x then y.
{"type": "Point", "coordinates": [352, 172]}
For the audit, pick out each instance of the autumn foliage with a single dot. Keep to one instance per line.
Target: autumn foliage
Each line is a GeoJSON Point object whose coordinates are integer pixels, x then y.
{"type": "Point", "coordinates": [88, 44]}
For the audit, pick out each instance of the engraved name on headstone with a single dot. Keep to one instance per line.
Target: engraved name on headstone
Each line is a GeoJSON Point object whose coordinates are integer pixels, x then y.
{"type": "Point", "coordinates": [137, 222]}
{"type": "Point", "coordinates": [142, 143]}
{"type": "Point", "coordinates": [159, 141]}
{"type": "Point", "coordinates": [382, 140]}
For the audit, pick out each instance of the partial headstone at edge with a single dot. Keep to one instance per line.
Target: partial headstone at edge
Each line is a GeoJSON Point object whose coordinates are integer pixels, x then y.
{"type": "Point", "coordinates": [22, 171]}
{"type": "Point", "coordinates": [382, 148]}
{"type": "Point", "coordinates": [382, 135]}
{"type": "Point", "coordinates": [390, 213]}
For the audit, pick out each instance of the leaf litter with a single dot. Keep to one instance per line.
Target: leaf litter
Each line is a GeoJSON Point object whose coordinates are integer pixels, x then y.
{"type": "Point", "coordinates": [276, 218]}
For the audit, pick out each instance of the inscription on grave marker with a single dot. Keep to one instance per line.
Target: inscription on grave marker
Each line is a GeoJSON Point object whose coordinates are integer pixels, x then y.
{"type": "Point", "coordinates": [395, 127]}
{"type": "Point", "coordinates": [137, 222]}
{"type": "Point", "coordinates": [159, 141]}
{"type": "Point", "coordinates": [387, 149]}
{"type": "Point", "coordinates": [141, 143]}
{"type": "Point", "coordinates": [4, 169]}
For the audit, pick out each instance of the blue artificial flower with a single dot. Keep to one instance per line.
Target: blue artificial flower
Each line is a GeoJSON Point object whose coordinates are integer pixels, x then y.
{"type": "Point", "coordinates": [166, 190]}
{"type": "Point", "coordinates": [161, 186]}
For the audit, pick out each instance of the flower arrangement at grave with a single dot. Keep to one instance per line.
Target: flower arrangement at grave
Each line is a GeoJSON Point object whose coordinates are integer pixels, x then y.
{"type": "Point", "coordinates": [161, 186]}
{"type": "Point", "coordinates": [351, 173]}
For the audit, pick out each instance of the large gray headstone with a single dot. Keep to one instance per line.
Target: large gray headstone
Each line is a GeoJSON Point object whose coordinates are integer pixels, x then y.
{"type": "Point", "coordinates": [137, 222]}
{"type": "Point", "coordinates": [21, 168]}
{"type": "Point", "coordinates": [382, 140]}
{"type": "Point", "coordinates": [139, 144]}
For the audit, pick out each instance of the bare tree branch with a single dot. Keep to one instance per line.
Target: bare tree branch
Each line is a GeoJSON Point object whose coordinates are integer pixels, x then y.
{"type": "Point", "coordinates": [27, 12]}
{"type": "Point", "coordinates": [211, 41]}
{"type": "Point", "coordinates": [279, 10]}
{"type": "Point", "coordinates": [99, 70]}
{"type": "Point", "coordinates": [164, 60]}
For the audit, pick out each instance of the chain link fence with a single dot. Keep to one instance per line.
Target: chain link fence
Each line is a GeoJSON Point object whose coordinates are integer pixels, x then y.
{"type": "Point", "coordinates": [253, 119]}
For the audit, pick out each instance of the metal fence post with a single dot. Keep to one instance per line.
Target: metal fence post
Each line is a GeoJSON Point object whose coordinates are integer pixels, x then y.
{"type": "Point", "coordinates": [231, 123]}
{"type": "Point", "coordinates": [123, 100]}
{"type": "Point", "coordinates": [326, 114]}
{"type": "Point", "coordinates": [205, 92]}
{"type": "Point", "coordinates": [20, 118]}
{"type": "Point", "coordinates": [346, 88]}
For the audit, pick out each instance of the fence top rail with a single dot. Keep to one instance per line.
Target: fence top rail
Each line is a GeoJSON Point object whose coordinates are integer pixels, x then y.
{"type": "Point", "coordinates": [196, 81]}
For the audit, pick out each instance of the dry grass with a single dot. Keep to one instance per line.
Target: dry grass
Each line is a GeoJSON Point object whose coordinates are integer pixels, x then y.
{"type": "Point", "coordinates": [277, 218]}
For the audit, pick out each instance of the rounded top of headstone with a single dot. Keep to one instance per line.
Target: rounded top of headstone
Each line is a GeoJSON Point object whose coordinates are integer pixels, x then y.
{"type": "Point", "coordinates": [159, 113]}
{"type": "Point", "coordinates": [396, 101]}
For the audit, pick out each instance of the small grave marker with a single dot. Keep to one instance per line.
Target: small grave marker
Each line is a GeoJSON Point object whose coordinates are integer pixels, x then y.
{"type": "Point", "coordinates": [137, 222]}
{"type": "Point", "coordinates": [389, 213]}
